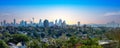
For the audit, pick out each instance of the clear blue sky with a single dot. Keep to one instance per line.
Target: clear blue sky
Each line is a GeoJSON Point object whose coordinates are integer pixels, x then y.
{"type": "Point", "coordinates": [85, 11]}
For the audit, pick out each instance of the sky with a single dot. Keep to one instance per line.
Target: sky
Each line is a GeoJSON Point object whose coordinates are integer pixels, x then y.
{"type": "Point", "coordinates": [72, 11]}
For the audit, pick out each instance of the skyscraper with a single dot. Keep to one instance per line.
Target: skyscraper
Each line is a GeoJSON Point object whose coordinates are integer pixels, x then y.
{"type": "Point", "coordinates": [60, 22]}
{"type": "Point", "coordinates": [46, 23]}
{"type": "Point", "coordinates": [40, 22]}
{"type": "Point", "coordinates": [14, 21]}
{"type": "Point", "coordinates": [64, 24]}
{"type": "Point", "coordinates": [4, 22]}
{"type": "Point", "coordinates": [51, 24]}
{"type": "Point", "coordinates": [33, 20]}
{"type": "Point", "coordinates": [23, 23]}
{"type": "Point", "coordinates": [1, 23]}
{"type": "Point", "coordinates": [78, 23]}
{"type": "Point", "coordinates": [56, 22]}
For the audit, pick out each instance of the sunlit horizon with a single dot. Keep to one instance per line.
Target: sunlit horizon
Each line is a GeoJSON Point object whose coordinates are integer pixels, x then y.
{"type": "Point", "coordinates": [87, 12]}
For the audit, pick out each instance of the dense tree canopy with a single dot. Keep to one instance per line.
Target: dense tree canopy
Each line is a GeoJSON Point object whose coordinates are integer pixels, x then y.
{"type": "Point", "coordinates": [3, 44]}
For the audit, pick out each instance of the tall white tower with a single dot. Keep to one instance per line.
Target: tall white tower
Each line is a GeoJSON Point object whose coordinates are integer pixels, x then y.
{"type": "Point", "coordinates": [33, 19]}
{"type": "Point", "coordinates": [78, 23]}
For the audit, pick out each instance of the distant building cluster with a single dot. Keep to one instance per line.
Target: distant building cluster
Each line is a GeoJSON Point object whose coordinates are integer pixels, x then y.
{"type": "Point", "coordinates": [109, 24]}
{"type": "Point", "coordinates": [59, 23]}
{"type": "Point", "coordinates": [41, 23]}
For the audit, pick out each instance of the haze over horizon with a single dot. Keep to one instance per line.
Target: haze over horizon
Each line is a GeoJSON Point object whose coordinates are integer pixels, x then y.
{"type": "Point", "coordinates": [72, 11]}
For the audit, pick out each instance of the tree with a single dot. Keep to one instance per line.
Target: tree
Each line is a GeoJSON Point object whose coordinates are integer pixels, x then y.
{"type": "Point", "coordinates": [3, 44]}
{"type": "Point", "coordinates": [1, 35]}
{"type": "Point", "coordinates": [93, 41]}
{"type": "Point", "coordinates": [92, 46]}
{"type": "Point", "coordinates": [114, 34]}
{"type": "Point", "coordinates": [42, 35]}
{"type": "Point", "coordinates": [19, 38]}
{"type": "Point", "coordinates": [68, 35]}
{"type": "Point", "coordinates": [33, 44]}
{"type": "Point", "coordinates": [72, 41]}
{"type": "Point", "coordinates": [7, 34]}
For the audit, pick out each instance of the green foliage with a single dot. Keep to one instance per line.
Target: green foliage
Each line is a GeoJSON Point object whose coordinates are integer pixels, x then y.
{"type": "Point", "coordinates": [1, 35]}
{"type": "Point", "coordinates": [114, 34]}
{"type": "Point", "coordinates": [73, 40]}
{"type": "Point", "coordinates": [42, 35]}
{"type": "Point", "coordinates": [57, 37]}
{"type": "Point", "coordinates": [3, 44]}
{"type": "Point", "coordinates": [19, 38]}
{"type": "Point", "coordinates": [68, 35]}
{"type": "Point", "coordinates": [92, 41]}
{"type": "Point", "coordinates": [92, 46]}
{"type": "Point", "coordinates": [7, 34]}
{"type": "Point", "coordinates": [33, 44]}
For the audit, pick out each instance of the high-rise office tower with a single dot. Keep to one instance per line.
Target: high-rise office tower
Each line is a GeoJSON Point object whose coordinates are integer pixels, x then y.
{"type": "Point", "coordinates": [64, 24]}
{"type": "Point", "coordinates": [14, 21]}
{"type": "Point", "coordinates": [4, 22]}
{"type": "Point", "coordinates": [23, 23]}
{"type": "Point", "coordinates": [33, 20]}
{"type": "Point", "coordinates": [51, 24]}
{"type": "Point", "coordinates": [56, 22]}
{"type": "Point", "coordinates": [78, 23]}
{"type": "Point", "coordinates": [46, 23]}
{"type": "Point", "coordinates": [60, 22]}
{"type": "Point", "coordinates": [1, 23]}
{"type": "Point", "coordinates": [40, 22]}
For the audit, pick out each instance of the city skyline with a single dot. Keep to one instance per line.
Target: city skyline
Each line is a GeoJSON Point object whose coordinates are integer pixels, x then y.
{"type": "Point", "coordinates": [41, 23]}
{"type": "Point", "coordinates": [57, 21]}
{"type": "Point", "coordinates": [87, 12]}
